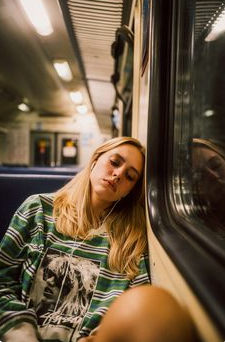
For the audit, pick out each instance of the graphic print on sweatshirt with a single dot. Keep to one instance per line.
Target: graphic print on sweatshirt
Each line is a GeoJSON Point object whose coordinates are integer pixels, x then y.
{"type": "Point", "coordinates": [61, 294]}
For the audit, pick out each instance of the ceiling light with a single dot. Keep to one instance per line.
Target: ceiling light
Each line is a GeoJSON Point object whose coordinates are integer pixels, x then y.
{"type": "Point", "coordinates": [38, 16]}
{"type": "Point", "coordinates": [82, 109]}
{"type": "Point", "coordinates": [218, 27]}
{"type": "Point", "coordinates": [63, 70]}
{"type": "Point", "coordinates": [24, 107]}
{"type": "Point", "coordinates": [209, 112]}
{"type": "Point", "coordinates": [76, 97]}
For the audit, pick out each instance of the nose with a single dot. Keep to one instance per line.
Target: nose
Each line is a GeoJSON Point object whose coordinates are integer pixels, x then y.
{"type": "Point", "coordinates": [116, 178]}
{"type": "Point", "coordinates": [117, 175]}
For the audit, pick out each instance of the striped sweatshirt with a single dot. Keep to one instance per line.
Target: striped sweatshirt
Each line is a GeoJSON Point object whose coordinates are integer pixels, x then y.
{"type": "Point", "coordinates": [60, 286]}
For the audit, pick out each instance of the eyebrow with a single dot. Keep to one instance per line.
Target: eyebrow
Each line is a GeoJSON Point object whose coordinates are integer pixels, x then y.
{"type": "Point", "coordinates": [123, 159]}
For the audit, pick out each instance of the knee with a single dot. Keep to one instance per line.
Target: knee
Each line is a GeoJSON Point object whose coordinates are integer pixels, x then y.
{"type": "Point", "coordinates": [146, 314]}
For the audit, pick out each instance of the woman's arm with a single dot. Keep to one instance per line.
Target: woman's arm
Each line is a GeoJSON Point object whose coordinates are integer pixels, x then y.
{"type": "Point", "coordinates": [143, 276]}
{"type": "Point", "coordinates": [24, 332]}
{"type": "Point", "coordinates": [17, 271]}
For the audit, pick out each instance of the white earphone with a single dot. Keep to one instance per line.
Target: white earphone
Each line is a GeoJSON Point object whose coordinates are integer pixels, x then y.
{"type": "Point", "coordinates": [125, 195]}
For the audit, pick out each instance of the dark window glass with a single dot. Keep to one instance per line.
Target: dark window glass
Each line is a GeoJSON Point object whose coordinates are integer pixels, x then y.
{"type": "Point", "coordinates": [199, 126]}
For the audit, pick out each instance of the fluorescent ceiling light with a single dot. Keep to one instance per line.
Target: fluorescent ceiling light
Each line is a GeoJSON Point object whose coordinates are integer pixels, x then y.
{"type": "Point", "coordinates": [218, 27]}
{"type": "Point", "coordinates": [209, 112]}
{"type": "Point", "coordinates": [23, 107]}
{"type": "Point", "coordinates": [63, 70]}
{"type": "Point", "coordinates": [82, 109]}
{"type": "Point", "coordinates": [38, 16]}
{"type": "Point", "coordinates": [76, 97]}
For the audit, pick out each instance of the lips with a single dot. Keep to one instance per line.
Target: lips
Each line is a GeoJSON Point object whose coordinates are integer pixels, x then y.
{"type": "Point", "coordinates": [111, 184]}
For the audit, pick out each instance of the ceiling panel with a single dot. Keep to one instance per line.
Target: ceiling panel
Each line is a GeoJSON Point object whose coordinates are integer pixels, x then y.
{"type": "Point", "coordinates": [84, 31]}
{"type": "Point", "coordinates": [94, 24]}
{"type": "Point", "coordinates": [205, 14]}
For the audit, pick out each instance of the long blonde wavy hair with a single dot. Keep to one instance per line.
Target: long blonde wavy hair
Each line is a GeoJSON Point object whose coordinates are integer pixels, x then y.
{"type": "Point", "coordinates": [125, 224]}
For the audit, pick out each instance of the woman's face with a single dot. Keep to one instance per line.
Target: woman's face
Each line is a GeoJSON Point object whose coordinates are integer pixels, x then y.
{"type": "Point", "coordinates": [210, 169]}
{"type": "Point", "coordinates": [115, 173]}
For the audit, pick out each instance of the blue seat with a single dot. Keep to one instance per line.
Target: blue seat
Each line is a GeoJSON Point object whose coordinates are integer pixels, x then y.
{"type": "Point", "coordinates": [40, 170]}
{"type": "Point", "coordinates": [16, 187]}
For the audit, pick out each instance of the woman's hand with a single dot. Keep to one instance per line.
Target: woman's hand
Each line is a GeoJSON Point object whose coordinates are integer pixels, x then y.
{"type": "Point", "coordinates": [24, 332]}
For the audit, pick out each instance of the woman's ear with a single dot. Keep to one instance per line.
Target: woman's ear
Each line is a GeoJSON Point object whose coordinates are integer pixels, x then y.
{"type": "Point", "coordinates": [92, 165]}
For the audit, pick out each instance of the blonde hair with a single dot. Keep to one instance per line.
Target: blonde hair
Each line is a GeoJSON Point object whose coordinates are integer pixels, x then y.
{"type": "Point", "coordinates": [213, 145]}
{"type": "Point", "coordinates": [125, 224]}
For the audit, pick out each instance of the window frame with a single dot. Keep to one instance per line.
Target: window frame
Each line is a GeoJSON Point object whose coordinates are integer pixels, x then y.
{"type": "Point", "coordinates": [181, 236]}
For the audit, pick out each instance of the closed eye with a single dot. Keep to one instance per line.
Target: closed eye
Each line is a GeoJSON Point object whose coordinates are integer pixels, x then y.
{"type": "Point", "coordinates": [114, 162]}
{"type": "Point", "coordinates": [130, 177]}
{"type": "Point", "coordinates": [215, 163]}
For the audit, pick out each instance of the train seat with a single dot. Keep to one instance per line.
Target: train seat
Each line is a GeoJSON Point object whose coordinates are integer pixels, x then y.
{"type": "Point", "coordinates": [16, 187]}
{"type": "Point", "coordinates": [39, 170]}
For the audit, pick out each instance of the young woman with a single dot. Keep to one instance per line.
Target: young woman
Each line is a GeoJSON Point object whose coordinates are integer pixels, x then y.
{"type": "Point", "coordinates": [67, 256]}
{"type": "Point", "coordinates": [70, 257]}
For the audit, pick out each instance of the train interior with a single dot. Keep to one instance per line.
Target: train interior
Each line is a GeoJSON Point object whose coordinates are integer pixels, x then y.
{"type": "Point", "coordinates": [151, 69]}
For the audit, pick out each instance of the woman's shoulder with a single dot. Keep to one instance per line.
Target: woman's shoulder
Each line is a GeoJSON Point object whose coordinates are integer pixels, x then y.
{"type": "Point", "coordinates": [44, 200]}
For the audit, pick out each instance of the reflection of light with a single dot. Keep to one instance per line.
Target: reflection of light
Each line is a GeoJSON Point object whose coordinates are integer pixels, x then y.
{"type": "Point", "coordinates": [76, 97]}
{"type": "Point", "coordinates": [38, 16]}
{"type": "Point", "coordinates": [63, 70]}
{"type": "Point", "coordinates": [116, 117]}
{"type": "Point", "coordinates": [208, 113]}
{"type": "Point", "coordinates": [23, 107]}
{"type": "Point", "coordinates": [217, 28]}
{"type": "Point", "coordinates": [82, 109]}
{"type": "Point", "coordinates": [116, 111]}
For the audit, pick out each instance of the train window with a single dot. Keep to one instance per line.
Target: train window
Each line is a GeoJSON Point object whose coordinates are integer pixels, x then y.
{"type": "Point", "coordinates": [122, 79]}
{"type": "Point", "coordinates": [186, 159]}
{"type": "Point", "coordinates": [199, 139]}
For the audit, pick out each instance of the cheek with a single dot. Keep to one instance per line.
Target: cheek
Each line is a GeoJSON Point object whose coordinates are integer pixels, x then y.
{"type": "Point", "coordinates": [101, 168]}
{"type": "Point", "coordinates": [128, 187]}
{"type": "Point", "coordinates": [96, 173]}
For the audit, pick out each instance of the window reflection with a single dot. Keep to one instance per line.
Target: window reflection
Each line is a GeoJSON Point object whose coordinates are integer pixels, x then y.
{"type": "Point", "coordinates": [208, 156]}
{"type": "Point", "coordinates": [199, 130]}
{"type": "Point", "coordinates": [208, 165]}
